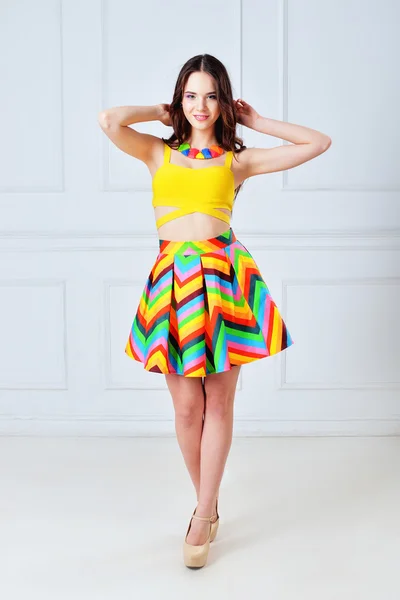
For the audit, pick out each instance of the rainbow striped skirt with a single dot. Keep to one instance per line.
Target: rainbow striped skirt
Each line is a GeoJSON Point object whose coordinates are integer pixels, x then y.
{"type": "Point", "coordinates": [205, 307]}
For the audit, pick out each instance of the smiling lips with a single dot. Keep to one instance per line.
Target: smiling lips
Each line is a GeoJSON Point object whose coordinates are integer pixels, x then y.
{"type": "Point", "coordinates": [201, 117]}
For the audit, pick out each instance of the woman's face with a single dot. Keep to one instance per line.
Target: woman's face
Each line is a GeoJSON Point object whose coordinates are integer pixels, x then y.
{"type": "Point", "coordinates": [200, 98]}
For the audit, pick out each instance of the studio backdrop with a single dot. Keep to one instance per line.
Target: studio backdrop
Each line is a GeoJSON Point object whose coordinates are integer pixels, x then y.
{"type": "Point", "coordinates": [74, 210]}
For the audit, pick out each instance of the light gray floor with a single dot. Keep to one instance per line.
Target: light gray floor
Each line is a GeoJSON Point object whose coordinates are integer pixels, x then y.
{"type": "Point", "coordinates": [301, 518]}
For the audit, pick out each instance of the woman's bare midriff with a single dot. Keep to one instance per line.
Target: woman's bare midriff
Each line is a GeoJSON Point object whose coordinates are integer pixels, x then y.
{"type": "Point", "coordinates": [195, 226]}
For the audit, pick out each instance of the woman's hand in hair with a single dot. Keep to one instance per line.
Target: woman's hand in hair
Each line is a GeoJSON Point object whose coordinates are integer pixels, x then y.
{"type": "Point", "coordinates": [245, 114]}
{"type": "Point", "coordinates": [165, 117]}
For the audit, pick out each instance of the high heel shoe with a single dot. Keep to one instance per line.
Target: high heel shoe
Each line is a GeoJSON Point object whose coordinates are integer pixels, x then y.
{"type": "Point", "coordinates": [194, 556]}
{"type": "Point", "coordinates": [215, 525]}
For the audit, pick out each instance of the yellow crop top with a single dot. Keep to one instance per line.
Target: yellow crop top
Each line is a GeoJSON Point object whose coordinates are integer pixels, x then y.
{"type": "Point", "coordinates": [204, 189]}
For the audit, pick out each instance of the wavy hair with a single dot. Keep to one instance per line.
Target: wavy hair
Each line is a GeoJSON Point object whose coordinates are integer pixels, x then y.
{"type": "Point", "coordinates": [225, 125]}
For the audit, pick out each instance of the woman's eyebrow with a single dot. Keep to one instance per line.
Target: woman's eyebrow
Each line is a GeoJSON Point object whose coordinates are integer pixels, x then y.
{"type": "Point", "coordinates": [189, 92]}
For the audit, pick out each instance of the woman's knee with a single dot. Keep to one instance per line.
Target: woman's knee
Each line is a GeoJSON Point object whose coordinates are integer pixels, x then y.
{"type": "Point", "coordinates": [189, 408]}
{"type": "Point", "coordinates": [219, 400]}
{"type": "Point", "coordinates": [220, 392]}
{"type": "Point", "coordinates": [188, 399]}
{"type": "Point", "coordinates": [219, 405]}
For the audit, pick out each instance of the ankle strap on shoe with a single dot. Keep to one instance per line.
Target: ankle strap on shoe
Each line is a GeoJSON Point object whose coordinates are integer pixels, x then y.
{"type": "Point", "coordinates": [211, 519]}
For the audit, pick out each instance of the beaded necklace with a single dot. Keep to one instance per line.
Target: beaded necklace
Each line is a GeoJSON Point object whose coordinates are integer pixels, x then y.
{"type": "Point", "coordinates": [211, 152]}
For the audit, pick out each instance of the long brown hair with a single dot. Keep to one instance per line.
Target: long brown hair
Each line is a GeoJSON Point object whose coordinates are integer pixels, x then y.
{"type": "Point", "coordinates": [225, 125]}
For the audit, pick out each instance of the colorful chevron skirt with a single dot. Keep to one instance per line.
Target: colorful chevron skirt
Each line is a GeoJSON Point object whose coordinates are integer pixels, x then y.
{"type": "Point", "coordinates": [205, 308]}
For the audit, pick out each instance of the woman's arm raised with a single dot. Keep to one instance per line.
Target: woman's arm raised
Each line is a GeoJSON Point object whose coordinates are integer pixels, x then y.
{"type": "Point", "coordinates": [306, 144]}
{"type": "Point", "coordinates": [115, 124]}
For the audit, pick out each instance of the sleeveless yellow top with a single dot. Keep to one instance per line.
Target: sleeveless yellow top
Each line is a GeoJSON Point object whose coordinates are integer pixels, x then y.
{"type": "Point", "coordinates": [204, 189]}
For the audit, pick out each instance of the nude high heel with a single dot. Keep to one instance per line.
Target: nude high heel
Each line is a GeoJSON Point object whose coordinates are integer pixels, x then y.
{"type": "Point", "coordinates": [214, 526]}
{"type": "Point", "coordinates": [194, 556]}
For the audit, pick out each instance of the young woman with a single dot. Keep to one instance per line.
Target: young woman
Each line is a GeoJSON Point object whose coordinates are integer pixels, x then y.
{"type": "Point", "coordinates": [205, 309]}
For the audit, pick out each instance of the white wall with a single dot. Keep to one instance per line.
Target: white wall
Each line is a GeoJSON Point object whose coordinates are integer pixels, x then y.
{"type": "Point", "coordinates": [78, 235]}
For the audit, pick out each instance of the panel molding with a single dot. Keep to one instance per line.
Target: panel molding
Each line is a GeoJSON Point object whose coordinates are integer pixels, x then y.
{"type": "Point", "coordinates": [311, 239]}
{"type": "Point", "coordinates": [61, 186]}
{"type": "Point", "coordinates": [284, 70]}
{"type": "Point", "coordinates": [37, 283]}
{"type": "Point", "coordinates": [284, 385]}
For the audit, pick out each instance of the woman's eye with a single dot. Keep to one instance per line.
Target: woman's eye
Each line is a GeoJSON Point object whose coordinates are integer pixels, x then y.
{"type": "Point", "coordinates": [210, 96]}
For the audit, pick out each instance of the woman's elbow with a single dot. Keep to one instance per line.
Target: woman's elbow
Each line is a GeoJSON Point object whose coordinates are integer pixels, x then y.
{"type": "Point", "coordinates": [104, 119]}
{"type": "Point", "coordinates": [326, 143]}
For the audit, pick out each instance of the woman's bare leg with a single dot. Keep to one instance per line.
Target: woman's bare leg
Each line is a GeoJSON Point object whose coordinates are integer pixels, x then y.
{"type": "Point", "coordinates": [216, 441]}
{"type": "Point", "coordinates": [188, 398]}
